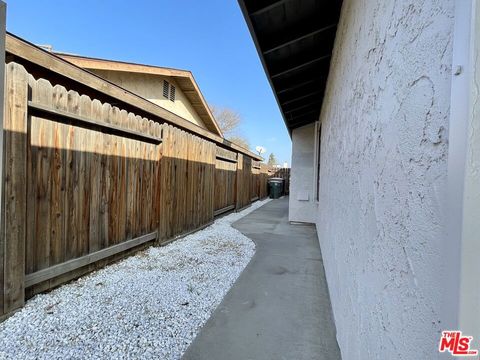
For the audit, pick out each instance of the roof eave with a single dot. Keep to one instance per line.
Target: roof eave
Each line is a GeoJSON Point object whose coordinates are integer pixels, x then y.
{"type": "Point", "coordinates": [246, 16]}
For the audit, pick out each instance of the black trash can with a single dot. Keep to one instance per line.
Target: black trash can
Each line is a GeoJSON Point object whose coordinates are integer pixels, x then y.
{"type": "Point", "coordinates": [275, 187]}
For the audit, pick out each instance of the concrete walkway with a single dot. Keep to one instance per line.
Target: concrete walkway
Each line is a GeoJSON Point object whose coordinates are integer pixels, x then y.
{"type": "Point", "coordinates": [279, 308]}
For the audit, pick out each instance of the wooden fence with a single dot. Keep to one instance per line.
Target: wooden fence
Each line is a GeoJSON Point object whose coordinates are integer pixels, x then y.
{"type": "Point", "coordinates": [263, 176]}
{"type": "Point", "coordinates": [225, 181]}
{"type": "Point", "coordinates": [187, 183]}
{"type": "Point", "coordinates": [244, 176]}
{"type": "Point", "coordinates": [87, 183]}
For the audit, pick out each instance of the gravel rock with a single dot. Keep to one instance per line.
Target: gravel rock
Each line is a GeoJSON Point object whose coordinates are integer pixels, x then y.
{"type": "Point", "coordinates": [148, 306]}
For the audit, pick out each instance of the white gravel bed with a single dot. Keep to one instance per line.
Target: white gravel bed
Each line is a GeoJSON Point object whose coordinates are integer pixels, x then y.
{"type": "Point", "coordinates": [148, 306]}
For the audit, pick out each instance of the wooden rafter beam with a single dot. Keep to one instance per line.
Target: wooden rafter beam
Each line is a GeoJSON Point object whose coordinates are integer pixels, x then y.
{"type": "Point", "coordinates": [301, 66]}
{"type": "Point", "coordinates": [268, 7]}
{"type": "Point", "coordinates": [299, 38]}
{"type": "Point", "coordinates": [301, 118]}
{"type": "Point", "coordinates": [303, 106]}
{"type": "Point", "coordinates": [297, 86]}
{"type": "Point", "coordinates": [301, 97]}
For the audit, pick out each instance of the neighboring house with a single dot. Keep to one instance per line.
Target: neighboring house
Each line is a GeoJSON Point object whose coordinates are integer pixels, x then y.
{"type": "Point", "coordinates": [381, 101]}
{"type": "Point", "coordinates": [174, 90]}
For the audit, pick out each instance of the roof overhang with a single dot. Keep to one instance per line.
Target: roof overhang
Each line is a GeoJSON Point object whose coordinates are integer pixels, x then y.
{"type": "Point", "coordinates": [294, 39]}
{"type": "Point", "coordinates": [183, 78]}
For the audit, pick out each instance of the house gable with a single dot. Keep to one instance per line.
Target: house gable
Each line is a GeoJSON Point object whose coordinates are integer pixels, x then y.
{"type": "Point", "coordinates": [150, 87]}
{"type": "Point", "coordinates": [143, 80]}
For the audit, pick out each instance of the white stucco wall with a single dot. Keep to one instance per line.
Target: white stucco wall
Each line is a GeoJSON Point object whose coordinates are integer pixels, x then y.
{"type": "Point", "coordinates": [302, 204]}
{"type": "Point", "coordinates": [150, 87]}
{"type": "Point", "coordinates": [383, 176]}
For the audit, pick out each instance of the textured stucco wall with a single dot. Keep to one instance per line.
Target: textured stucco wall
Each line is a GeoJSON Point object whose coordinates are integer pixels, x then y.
{"type": "Point", "coordinates": [302, 205]}
{"type": "Point", "coordinates": [383, 176]}
{"type": "Point", "coordinates": [150, 87]}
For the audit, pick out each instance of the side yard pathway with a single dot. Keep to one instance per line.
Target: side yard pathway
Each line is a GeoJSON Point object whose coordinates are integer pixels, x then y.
{"type": "Point", "coordinates": [279, 308]}
{"type": "Point", "coordinates": [149, 306]}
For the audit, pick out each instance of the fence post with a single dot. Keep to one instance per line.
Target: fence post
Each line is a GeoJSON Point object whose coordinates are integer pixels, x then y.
{"type": "Point", "coordinates": [2, 84]}
{"type": "Point", "coordinates": [15, 189]}
{"type": "Point", "coordinates": [238, 182]}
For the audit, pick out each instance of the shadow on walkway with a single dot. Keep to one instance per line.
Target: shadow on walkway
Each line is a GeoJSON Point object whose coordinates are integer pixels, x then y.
{"type": "Point", "coordinates": [279, 308]}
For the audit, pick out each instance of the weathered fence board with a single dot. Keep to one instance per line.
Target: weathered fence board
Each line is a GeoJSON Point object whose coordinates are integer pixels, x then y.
{"type": "Point", "coordinates": [65, 267]}
{"type": "Point", "coordinates": [15, 172]}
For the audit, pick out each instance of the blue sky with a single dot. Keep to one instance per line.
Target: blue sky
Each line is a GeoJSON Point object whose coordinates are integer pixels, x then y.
{"type": "Point", "coordinates": [210, 38]}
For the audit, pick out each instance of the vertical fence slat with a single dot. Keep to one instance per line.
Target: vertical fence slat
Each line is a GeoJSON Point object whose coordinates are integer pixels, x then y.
{"type": "Point", "coordinates": [72, 185]}
{"type": "Point", "coordinates": [157, 153]}
{"type": "Point", "coordinates": [43, 93]}
{"type": "Point", "coordinates": [162, 228]}
{"type": "Point", "coordinates": [57, 181]}
{"type": "Point", "coordinates": [137, 184]}
{"type": "Point", "coordinates": [129, 211]}
{"type": "Point", "coordinates": [85, 179]}
{"type": "Point", "coordinates": [32, 158]}
{"type": "Point", "coordinates": [146, 199]}
{"type": "Point", "coordinates": [112, 177]}
{"type": "Point", "coordinates": [15, 191]}
{"type": "Point", "coordinates": [122, 180]}
{"type": "Point", "coordinates": [96, 181]}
